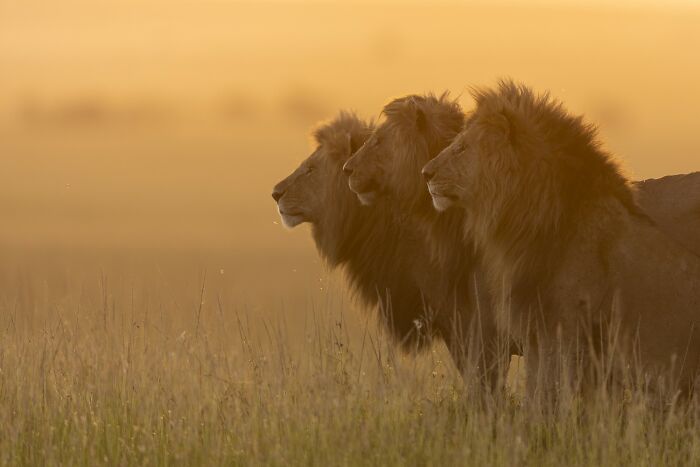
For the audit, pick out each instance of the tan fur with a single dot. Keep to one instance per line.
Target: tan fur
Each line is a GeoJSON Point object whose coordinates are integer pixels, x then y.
{"type": "Point", "coordinates": [388, 266]}
{"type": "Point", "coordinates": [380, 260]}
{"type": "Point", "coordinates": [415, 129]}
{"type": "Point", "coordinates": [674, 203]}
{"type": "Point", "coordinates": [387, 168]}
{"type": "Point", "coordinates": [563, 236]}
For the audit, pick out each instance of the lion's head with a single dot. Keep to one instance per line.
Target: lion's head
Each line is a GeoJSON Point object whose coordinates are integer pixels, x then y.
{"type": "Point", "coordinates": [524, 170]}
{"type": "Point", "coordinates": [449, 175]}
{"type": "Point", "coordinates": [522, 159]}
{"type": "Point", "coordinates": [416, 128]}
{"type": "Point", "coordinates": [316, 186]}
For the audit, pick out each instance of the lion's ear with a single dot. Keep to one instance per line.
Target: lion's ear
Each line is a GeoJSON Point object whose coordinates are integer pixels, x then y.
{"type": "Point", "coordinates": [408, 112]}
{"type": "Point", "coordinates": [504, 125]}
{"type": "Point", "coordinates": [416, 115]}
{"type": "Point", "coordinates": [352, 142]}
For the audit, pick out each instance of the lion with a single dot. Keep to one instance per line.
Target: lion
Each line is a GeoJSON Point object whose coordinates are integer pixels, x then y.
{"type": "Point", "coordinates": [387, 169]}
{"type": "Point", "coordinates": [567, 246]}
{"type": "Point", "coordinates": [400, 148]}
{"type": "Point", "coordinates": [373, 252]}
{"type": "Point", "coordinates": [388, 265]}
{"type": "Point", "coordinates": [416, 128]}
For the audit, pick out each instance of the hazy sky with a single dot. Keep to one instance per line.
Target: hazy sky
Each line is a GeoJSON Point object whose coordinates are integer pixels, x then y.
{"type": "Point", "coordinates": [170, 121]}
{"type": "Point", "coordinates": [492, 2]}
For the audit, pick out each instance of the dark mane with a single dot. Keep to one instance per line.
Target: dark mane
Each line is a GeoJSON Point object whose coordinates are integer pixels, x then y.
{"type": "Point", "coordinates": [419, 127]}
{"type": "Point", "coordinates": [561, 172]}
{"type": "Point", "coordinates": [346, 131]}
{"type": "Point", "coordinates": [376, 253]}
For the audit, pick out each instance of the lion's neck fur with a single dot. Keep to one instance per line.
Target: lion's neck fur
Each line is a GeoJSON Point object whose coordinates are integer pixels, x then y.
{"type": "Point", "coordinates": [378, 258]}
{"type": "Point", "coordinates": [563, 180]}
{"type": "Point", "coordinates": [363, 241]}
{"type": "Point", "coordinates": [376, 253]}
{"type": "Point", "coordinates": [413, 146]}
{"type": "Point", "coordinates": [417, 128]}
{"type": "Point", "coordinates": [460, 287]}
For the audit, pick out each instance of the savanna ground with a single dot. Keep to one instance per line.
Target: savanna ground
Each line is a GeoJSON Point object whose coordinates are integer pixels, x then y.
{"type": "Point", "coordinates": [139, 359]}
{"type": "Point", "coordinates": [154, 312]}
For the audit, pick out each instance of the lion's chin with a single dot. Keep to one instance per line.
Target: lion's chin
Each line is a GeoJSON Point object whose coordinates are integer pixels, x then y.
{"type": "Point", "coordinates": [442, 203]}
{"type": "Point", "coordinates": [368, 198]}
{"type": "Point", "coordinates": [292, 220]}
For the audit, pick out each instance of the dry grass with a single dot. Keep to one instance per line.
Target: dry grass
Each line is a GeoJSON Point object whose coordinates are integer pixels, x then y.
{"type": "Point", "coordinates": [107, 357]}
{"type": "Point", "coordinates": [128, 366]}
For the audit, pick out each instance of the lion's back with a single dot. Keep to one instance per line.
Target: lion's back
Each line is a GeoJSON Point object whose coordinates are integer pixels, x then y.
{"type": "Point", "coordinates": [674, 203]}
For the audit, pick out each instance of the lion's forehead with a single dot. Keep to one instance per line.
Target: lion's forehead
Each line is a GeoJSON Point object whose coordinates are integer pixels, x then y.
{"type": "Point", "coordinates": [470, 133]}
{"type": "Point", "coordinates": [365, 155]}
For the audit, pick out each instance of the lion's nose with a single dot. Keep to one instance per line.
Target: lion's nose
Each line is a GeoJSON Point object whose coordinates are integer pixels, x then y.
{"type": "Point", "coordinates": [347, 170]}
{"type": "Point", "coordinates": [427, 174]}
{"type": "Point", "coordinates": [277, 194]}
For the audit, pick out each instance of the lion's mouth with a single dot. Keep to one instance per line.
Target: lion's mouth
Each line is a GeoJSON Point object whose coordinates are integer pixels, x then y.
{"type": "Point", "coordinates": [442, 198]}
{"type": "Point", "coordinates": [442, 192]}
{"type": "Point", "coordinates": [291, 213]}
{"type": "Point", "coordinates": [367, 191]}
{"type": "Point", "coordinates": [291, 219]}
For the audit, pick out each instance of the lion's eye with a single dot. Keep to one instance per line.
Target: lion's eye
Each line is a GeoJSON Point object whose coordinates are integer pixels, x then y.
{"type": "Point", "coordinates": [309, 170]}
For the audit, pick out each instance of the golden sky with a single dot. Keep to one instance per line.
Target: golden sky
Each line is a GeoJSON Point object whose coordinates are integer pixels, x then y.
{"type": "Point", "coordinates": [122, 121]}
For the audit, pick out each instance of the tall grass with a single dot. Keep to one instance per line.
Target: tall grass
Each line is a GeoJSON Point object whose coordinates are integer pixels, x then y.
{"type": "Point", "coordinates": [110, 373]}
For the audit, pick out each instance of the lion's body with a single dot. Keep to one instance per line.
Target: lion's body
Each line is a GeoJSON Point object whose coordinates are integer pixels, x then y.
{"type": "Point", "coordinates": [620, 270]}
{"type": "Point", "coordinates": [568, 248]}
{"type": "Point", "coordinates": [674, 203]}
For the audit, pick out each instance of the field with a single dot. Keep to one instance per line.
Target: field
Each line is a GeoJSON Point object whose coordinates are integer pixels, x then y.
{"type": "Point", "coordinates": [153, 311]}
{"type": "Point", "coordinates": [136, 359]}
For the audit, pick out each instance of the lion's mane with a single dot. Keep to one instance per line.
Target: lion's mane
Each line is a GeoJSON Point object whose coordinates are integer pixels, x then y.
{"type": "Point", "coordinates": [377, 254]}
{"type": "Point", "coordinates": [562, 172]}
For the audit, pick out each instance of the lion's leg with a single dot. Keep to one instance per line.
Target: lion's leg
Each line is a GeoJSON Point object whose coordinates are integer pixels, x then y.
{"type": "Point", "coordinates": [480, 352]}
{"type": "Point", "coordinates": [534, 373]}
{"type": "Point", "coordinates": [497, 352]}
{"type": "Point", "coordinates": [552, 370]}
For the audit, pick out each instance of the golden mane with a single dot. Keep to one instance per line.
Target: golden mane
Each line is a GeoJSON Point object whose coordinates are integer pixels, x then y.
{"type": "Point", "coordinates": [419, 126]}
{"type": "Point", "coordinates": [344, 132]}
{"type": "Point", "coordinates": [379, 258]}
{"type": "Point", "coordinates": [379, 246]}
{"type": "Point", "coordinates": [563, 170]}
{"type": "Point", "coordinates": [415, 130]}
{"type": "Point", "coordinates": [569, 251]}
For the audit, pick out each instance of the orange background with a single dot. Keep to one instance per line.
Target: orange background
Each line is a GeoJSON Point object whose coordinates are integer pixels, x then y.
{"type": "Point", "coordinates": [163, 125]}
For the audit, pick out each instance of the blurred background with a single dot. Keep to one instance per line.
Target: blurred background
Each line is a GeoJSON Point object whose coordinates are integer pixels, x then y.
{"type": "Point", "coordinates": [141, 139]}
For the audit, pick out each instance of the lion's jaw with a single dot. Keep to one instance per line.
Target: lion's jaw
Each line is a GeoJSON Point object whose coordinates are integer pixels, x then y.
{"type": "Point", "coordinates": [442, 196]}
{"type": "Point", "coordinates": [444, 174]}
{"type": "Point", "coordinates": [367, 192]}
{"type": "Point", "coordinates": [292, 220]}
{"type": "Point", "coordinates": [367, 199]}
{"type": "Point", "coordinates": [291, 214]}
